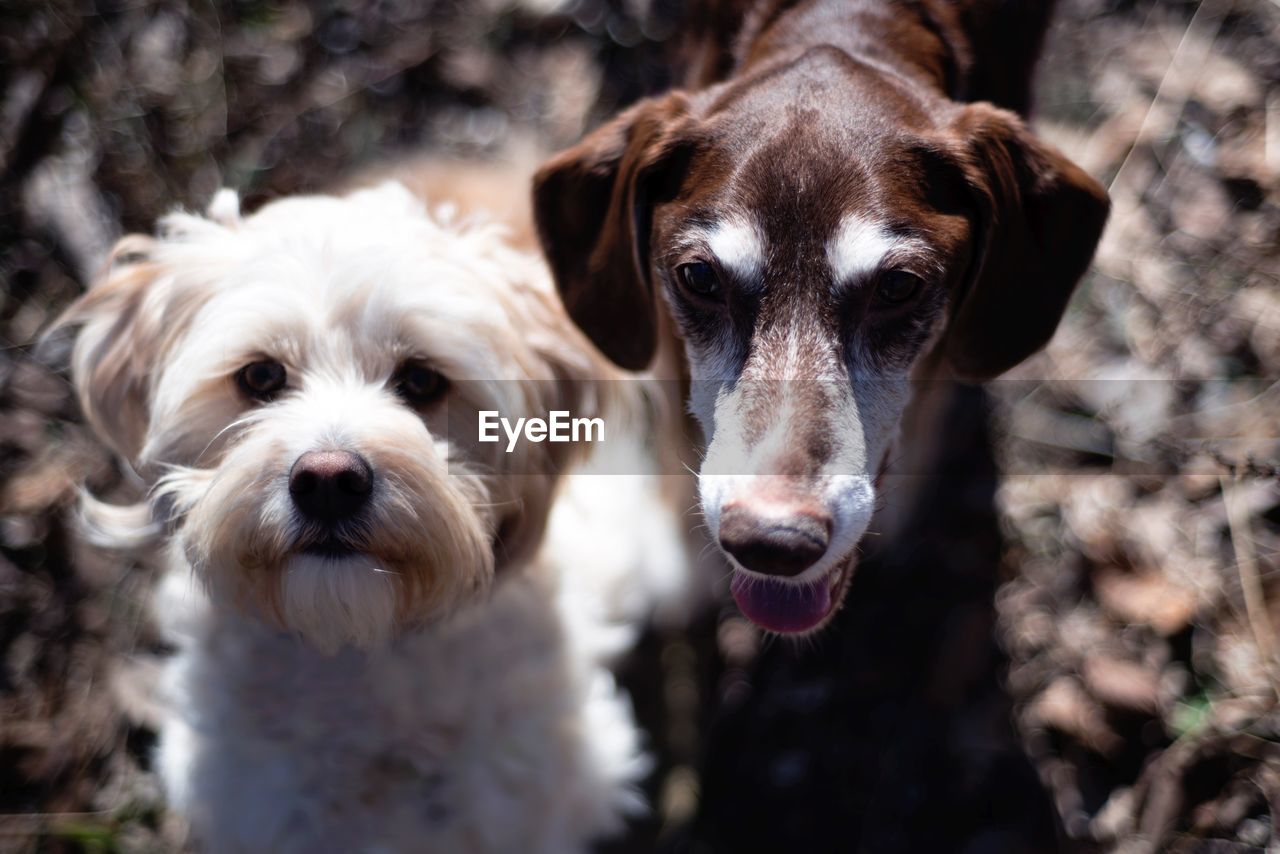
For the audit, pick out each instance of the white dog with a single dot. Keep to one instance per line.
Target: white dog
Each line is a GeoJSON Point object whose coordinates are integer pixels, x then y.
{"type": "Point", "coordinates": [376, 656]}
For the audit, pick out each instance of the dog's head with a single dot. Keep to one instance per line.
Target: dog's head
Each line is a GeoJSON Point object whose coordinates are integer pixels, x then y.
{"type": "Point", "coordinates": [300, 385]}
{"type": "Point", "coordinates": [813, 230]}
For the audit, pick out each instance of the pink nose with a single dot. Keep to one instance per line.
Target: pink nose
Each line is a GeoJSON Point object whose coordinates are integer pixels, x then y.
{"type": "Point", "coordinates": [330, 486]}
{"type": "Point", "coordinates": [783, 544]}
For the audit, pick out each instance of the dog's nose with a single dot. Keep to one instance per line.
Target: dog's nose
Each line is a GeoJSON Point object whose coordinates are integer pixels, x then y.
{"type": "Point", "coordinates": [785, 544]}
{"type": "Point", "coordinates": [330, 486]}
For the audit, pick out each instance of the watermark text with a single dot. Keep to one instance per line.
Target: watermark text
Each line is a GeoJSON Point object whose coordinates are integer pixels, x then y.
{"type": "Point", "coordinates": [560, 426]}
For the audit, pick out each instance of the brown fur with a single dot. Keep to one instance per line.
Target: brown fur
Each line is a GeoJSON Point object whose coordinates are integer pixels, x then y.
{"type": "Point", "coordinates": [1007, 194]}
{"type": "Point", "coordinates": [823, 149]}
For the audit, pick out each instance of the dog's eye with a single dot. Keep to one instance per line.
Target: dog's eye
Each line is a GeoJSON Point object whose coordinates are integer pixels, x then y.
{"type": "Point", "coordinates": [897, 287]}
{"type": "Point", "coordinates": [262, 380]}
{"type": "Point", "coordinates": [699, 279]}
{"type": "Point", "coordinates": [419, 384]}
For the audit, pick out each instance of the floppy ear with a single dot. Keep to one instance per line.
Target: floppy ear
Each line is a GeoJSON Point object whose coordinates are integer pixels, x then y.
{"type": "Point", "coordinates": [1040, 217]}
{"type": "Point", "coordinates": [113, 355]}
{"type": "Point", "coordinates": [593, 206]}
{"type": "Point", "coordinates": [126, 321]}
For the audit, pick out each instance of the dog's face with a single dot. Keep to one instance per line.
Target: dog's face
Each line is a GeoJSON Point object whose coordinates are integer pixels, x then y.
{"type": "Point", "coordinates": [299, 385]}
{"type": "Point", "coordinates": [813, 232]}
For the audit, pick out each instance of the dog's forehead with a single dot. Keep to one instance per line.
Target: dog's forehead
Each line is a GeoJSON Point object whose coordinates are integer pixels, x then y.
{"type": "Point", "coordinates": [373, 247]}
{"type": "Point", "coordinates": [327, 277]}
{"type": "Point", "coordinates": [783, 186]}
{"type": "Point", "coordinates": [783, 211]}
{"type": "Point", "coordinates": [809, 142]}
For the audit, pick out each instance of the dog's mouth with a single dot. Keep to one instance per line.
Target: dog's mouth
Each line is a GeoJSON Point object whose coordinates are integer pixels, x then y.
{"type": "Point", "coordinates": [789, 607]}
{"type": "Point", "coordinates": [331, 547]}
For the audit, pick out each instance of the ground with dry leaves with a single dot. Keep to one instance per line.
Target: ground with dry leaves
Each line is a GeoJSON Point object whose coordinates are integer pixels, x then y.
{"type": "Point", "coordinates": [1140, 496]}
{"type": "Point", "coordinates": [1126, 557]}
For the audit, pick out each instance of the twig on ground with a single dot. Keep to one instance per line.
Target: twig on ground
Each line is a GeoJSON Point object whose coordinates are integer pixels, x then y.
{"type": "Point", "coordinates": [1178, 63]}
{"type": "Point", "coordinates": [1264, 636]}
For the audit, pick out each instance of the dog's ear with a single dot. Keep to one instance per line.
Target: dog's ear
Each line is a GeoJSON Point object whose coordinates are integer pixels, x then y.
{"type": "Point", "coordinates": [114, 352]}
{"type": "Point", "coordinates": [1040, 218]}
{"type": "Point", "coordinates": [129, 318]}
{"type": "Point", "coordinates": [224, 207]}
{"type": "Point", "coordinates": [593, 205]}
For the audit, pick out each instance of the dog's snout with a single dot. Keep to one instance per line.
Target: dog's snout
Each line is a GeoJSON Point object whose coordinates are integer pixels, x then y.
{"type": "Point", "coordinates": [330, 486]}
{"type": "Point", "coordinates": [785, 544]}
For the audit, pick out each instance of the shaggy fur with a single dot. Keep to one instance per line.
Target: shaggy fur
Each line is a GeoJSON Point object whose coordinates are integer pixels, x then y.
{"type": "Point", "coordinates": [436, 684]}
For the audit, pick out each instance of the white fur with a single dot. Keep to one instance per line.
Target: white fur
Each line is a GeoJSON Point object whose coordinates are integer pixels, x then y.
{"type": "Point", "coordinates": [495, 730]}
{"type": "Point", "coordinates": [738, 246]}
{"type": "Point", "coordinates": [334, 602]}
{"type": "Point", "coordinates": [224, 207]}
{"type": "Point", "coordinates": [402, 697]}
{"type": "Point", "coordinates": [858, 248]}
{"type": "Point", "coordinates": [641, 567]}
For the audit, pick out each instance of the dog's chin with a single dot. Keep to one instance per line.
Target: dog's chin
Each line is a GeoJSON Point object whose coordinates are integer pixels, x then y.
{"type": "Point", "coordinates": [334, 598]}
{"type": "Point", "coordinates": [420, 553]}
{"type": "Point", "coordinates": [789, 606]}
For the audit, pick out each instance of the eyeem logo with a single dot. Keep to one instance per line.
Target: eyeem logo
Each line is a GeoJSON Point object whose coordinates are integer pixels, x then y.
{"type": "Point", "coordinates": [559, 428]}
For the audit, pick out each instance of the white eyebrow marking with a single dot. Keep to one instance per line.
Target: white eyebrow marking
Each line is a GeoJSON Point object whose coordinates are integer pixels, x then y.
{"type": "Point", "coordinates": [858, 247]}
{"type": "Point", "coordinates": [737, 245]}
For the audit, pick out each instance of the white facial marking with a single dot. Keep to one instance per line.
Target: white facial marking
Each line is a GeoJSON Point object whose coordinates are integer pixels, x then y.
{"type": "Point", "coordinates": [738, 246]}
{"type": "Point", "coordinates": [858, 247]}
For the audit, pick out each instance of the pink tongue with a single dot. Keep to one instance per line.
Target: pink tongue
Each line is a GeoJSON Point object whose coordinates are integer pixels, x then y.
{"type": "Point", "coordinates": [779, 606]}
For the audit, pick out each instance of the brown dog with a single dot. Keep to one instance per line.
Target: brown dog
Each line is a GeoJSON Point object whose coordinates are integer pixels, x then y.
{"type": "Point", "coordinates": [829, 204]}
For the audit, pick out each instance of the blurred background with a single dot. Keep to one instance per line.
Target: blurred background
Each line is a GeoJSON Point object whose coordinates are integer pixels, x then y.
{"type": "Point", "coordinates": [1083, 653]}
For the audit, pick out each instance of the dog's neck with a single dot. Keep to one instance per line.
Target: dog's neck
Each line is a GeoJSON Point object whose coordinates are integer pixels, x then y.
{"type": "Point", "coordinates": [920, 43]}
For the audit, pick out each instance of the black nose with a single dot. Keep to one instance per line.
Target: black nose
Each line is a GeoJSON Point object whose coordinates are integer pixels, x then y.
{"type": "Point", "coordinates": [783, 545]}
{"type": "Point", "coordinates": [330, 486]}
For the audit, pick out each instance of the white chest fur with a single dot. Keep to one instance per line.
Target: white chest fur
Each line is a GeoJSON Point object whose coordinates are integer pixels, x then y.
{"type": "Point", "coordinates": [495, 730]}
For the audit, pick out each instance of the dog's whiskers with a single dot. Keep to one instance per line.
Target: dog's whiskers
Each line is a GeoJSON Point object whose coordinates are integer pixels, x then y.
{"type": "Point", "coordinates": [246, 419]}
